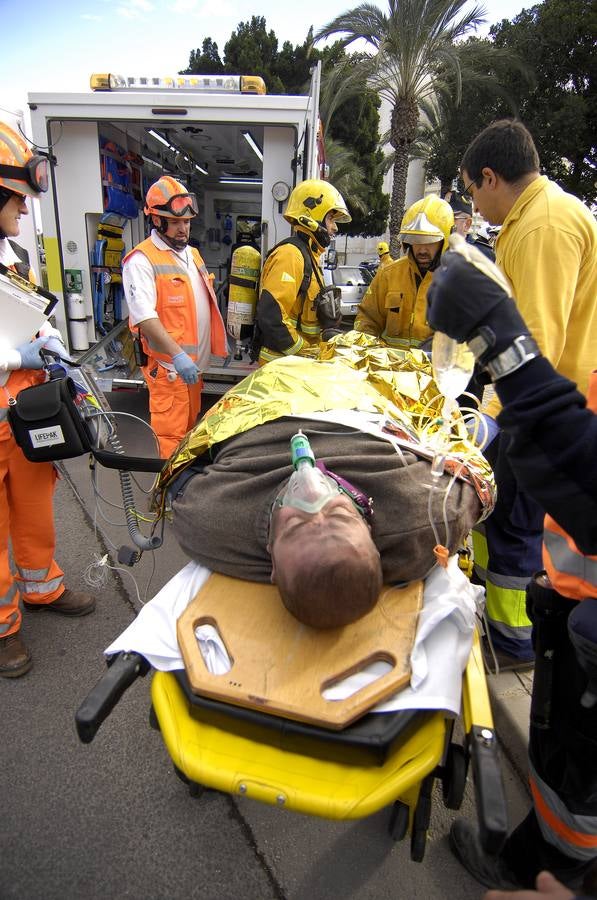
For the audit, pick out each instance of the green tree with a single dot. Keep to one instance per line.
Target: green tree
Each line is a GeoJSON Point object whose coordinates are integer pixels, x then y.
{"type": "Point", "coordinates": [206, 62]}
{"type": "Point", "coordinates": [252, 50]}
{"type": "Point", "coordinates": [350, 118]}
{"type": "Point", "coordinates": [557, 39]}
{"type": "Point", "coordinates": [447, 125]}
{"type": "Point", "coordinates": [410, 45]}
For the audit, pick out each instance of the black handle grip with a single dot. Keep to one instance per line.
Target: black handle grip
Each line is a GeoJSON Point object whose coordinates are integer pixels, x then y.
{"type": "Point", "coordinates": [492, 811]}
{"type": "Point", "coordinates": [99, 703]}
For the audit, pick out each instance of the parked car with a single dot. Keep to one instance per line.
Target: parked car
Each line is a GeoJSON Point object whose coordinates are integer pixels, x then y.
{"type": "Point", "coordinates": [353, 282]}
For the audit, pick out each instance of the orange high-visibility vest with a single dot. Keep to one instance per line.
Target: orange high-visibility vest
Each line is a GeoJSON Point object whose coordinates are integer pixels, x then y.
{"type": "Point", "coordinates": [571, 573]}
{"type": "Point", "coordinates": [176, 303]}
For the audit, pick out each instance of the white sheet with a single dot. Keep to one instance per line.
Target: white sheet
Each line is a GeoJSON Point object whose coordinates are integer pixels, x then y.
{"type": "Point", "coordinates": [442, 643]}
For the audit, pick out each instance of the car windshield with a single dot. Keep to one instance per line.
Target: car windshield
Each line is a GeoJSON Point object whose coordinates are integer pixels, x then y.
{"type": "Point", "coordinates": [349, 275]}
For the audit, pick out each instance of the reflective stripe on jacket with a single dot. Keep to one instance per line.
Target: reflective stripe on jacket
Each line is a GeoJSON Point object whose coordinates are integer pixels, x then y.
{"type": "Point", "coordinates": [571, 573]}
{"type": "Point", "coordinates": [176, 307]}
{"type": "Point", "coordinates": [394, 307]}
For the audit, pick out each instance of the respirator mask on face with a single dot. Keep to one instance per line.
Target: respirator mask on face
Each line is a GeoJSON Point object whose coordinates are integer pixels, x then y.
{"type": "Point", "coordinates": [308, 489]}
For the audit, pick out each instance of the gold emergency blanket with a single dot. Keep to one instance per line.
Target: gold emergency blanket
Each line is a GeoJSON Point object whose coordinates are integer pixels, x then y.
{"type": "Point", "coordinates": [351, 372]}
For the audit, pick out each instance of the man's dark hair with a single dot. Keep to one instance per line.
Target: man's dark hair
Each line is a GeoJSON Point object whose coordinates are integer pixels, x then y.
{"type": "Point", "coordinates": [332, 592]}
{"type": "Point", "coordinates": [505, 146]}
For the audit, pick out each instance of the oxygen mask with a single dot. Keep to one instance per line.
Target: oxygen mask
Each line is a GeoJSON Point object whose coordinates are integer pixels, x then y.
{"type": "Point", "coordinates": [308, 489]}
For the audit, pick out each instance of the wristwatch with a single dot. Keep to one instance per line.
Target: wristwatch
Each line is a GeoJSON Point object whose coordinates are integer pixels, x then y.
{"type": "Point", "coordinates": [522, 350]}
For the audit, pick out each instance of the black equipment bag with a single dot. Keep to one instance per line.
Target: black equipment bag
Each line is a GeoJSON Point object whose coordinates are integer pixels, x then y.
{"type": "Point", "coordinates": [46, 423]}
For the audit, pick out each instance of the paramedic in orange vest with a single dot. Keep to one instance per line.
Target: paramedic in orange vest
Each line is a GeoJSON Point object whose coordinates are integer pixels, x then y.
{"type": "Point", "coordinates": [551, 432]}
{"type": "Point", "coordinates": [173, 307]}
{"type": "Point", "coordinates": [26, 488]}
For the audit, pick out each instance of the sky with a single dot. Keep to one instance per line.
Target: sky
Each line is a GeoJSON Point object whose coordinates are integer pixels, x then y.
{"type": "Point", "coordinates": [54, 47]}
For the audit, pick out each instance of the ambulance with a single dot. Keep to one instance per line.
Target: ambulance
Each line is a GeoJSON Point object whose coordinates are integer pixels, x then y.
{"type": "Point", "coordinates": [240, 150]}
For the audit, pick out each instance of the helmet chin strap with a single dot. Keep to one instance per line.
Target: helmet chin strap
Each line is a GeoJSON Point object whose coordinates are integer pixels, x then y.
{"type": "Point", "coordinates": [162, 228]}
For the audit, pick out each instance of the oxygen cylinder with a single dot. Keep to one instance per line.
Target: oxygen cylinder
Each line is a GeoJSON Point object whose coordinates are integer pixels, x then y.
{"type": "Point", "coordinates": [245, 267]}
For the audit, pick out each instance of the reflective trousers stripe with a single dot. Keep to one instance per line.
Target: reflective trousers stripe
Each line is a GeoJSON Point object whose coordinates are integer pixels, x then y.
{"type": "Point", "coordinates": [27, 522]}
{"type": "Point", "coordinates": [574, 835]}
{"type": "Point", "coordinates": [505, 594]}
{"type": "Point", "coordinates": [39, 587]}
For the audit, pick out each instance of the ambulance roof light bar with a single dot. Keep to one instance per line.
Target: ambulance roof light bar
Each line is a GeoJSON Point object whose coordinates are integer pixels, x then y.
{"type": "Point", "coordinates": [220, 84]}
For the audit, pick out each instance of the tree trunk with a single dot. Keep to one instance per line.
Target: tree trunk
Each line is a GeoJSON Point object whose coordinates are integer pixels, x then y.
{"type": "Point", "coordinates": [403, 130]}
{"type": "Point", "coordinates": [400, 173]}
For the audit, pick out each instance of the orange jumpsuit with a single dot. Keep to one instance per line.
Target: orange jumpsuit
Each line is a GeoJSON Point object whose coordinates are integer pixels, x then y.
{"type": "Point", "coordinates": [26, 518]}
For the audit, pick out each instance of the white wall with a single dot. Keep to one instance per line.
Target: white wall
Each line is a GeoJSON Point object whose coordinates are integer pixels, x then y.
{"type": "Point", "coordinates": [79, 186]}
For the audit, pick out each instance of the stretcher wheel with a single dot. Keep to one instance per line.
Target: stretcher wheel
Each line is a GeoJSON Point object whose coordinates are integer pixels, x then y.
{"type": "Point", "coordinates": [398, 824]}
{"type": "Point", "coordinates": [153, 719]}
{"type": "Point", "coordinates": [421, 819]}
{"type": "Point", "coordinates": [454, 776]}
{"type": "Point", "coordinates": [195, 790]}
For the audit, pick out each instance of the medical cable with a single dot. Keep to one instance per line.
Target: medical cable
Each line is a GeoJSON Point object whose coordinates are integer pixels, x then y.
{"type": "Point", "coordinates": [96, 575]}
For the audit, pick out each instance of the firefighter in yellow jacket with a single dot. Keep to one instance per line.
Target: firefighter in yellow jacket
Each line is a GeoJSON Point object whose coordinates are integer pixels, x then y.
{"type": "Point", "coordinates": [383, 252]}
{"type": "Point", "coordinates": [394, 307]}
{"type": "Point", "coordinates": [26, 488]}
{"type": "Point", "coordinates": [174, 312]}
{"type": "Point", "coordinates": [295, 310]}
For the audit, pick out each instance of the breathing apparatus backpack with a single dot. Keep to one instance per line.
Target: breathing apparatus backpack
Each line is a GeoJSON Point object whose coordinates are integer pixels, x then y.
{"type": "Point", "coordinates": [243, 281]}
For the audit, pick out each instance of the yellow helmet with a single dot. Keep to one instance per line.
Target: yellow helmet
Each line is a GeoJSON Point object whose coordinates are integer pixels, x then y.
{"type": "Point", "coordinates": [382, 248]}
{"type": "Point", "coordinates": [427, 221]}
{"type": "Point", "coordinates": [309, 204]}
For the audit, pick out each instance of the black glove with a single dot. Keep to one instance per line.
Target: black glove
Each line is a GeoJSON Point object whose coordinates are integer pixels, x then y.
{"type": "Point", "coordinates": [329, 311]}
{"type": "Point", "coordinates": [465, 300]}
{"type": "Point", "coordinates": [328, 333]}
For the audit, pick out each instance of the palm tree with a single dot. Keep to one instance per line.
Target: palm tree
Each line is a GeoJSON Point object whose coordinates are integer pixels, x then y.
{"type": "Point", "coordinates": [411, 45]}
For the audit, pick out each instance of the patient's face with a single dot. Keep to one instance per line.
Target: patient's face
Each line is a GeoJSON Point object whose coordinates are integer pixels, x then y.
{"type": "Point", "coordinates": [298, 537]}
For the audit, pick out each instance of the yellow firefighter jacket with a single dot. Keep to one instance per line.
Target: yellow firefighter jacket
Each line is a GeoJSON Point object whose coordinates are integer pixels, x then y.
{"type": "Point", "coordinates": [394, 307]}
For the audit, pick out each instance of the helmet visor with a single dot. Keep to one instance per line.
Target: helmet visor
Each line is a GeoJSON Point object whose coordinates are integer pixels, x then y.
{"type": "Point", "coordinates": [34, 173]}
{"type": "Point", "coordinates": [180, 205]}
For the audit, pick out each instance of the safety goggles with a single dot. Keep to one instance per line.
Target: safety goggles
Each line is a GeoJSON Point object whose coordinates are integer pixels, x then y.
{"type": "Point", "coordinates": [34, 173]}
{"type": "Point", "coordinates": [179, 205]}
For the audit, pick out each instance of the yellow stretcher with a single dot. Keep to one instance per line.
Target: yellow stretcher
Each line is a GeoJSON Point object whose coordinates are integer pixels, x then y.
{"type": "Point", "coordinates": [382, 759]}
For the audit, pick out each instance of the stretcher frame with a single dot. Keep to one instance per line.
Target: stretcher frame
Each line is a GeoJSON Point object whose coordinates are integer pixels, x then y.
{"type": "Point", "coordinates": [291, 773]}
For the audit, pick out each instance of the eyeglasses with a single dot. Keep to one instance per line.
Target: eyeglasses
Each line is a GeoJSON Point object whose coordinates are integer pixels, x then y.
{"type": "Point", "coordinates": [34, 173]}
{"type": "Point", "coordinates": [467, 191]}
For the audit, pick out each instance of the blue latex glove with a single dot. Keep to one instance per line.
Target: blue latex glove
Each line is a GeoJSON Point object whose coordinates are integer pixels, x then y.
{"type": "Point", "coordinates": [186, 368]}
{"type": "Point", "coordinates": [492, 430]}
{"type": "Point", "coordinates": [30, 356]}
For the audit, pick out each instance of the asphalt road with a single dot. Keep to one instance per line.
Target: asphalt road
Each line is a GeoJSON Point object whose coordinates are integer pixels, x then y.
{"type": "Point", "coordinates": [111, 820]}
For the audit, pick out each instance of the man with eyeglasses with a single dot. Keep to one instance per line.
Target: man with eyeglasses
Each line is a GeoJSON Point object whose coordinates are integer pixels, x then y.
{"type": "Point", "coordinates": [547, 247]}
{"type": "Point", "coordinates": [463, 222]}
{"type": "Point", "coordinates": [173, 312]}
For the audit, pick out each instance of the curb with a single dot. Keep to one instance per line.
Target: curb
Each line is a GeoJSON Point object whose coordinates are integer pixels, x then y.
{"type": "Point", "coordinates": [510, 694]}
